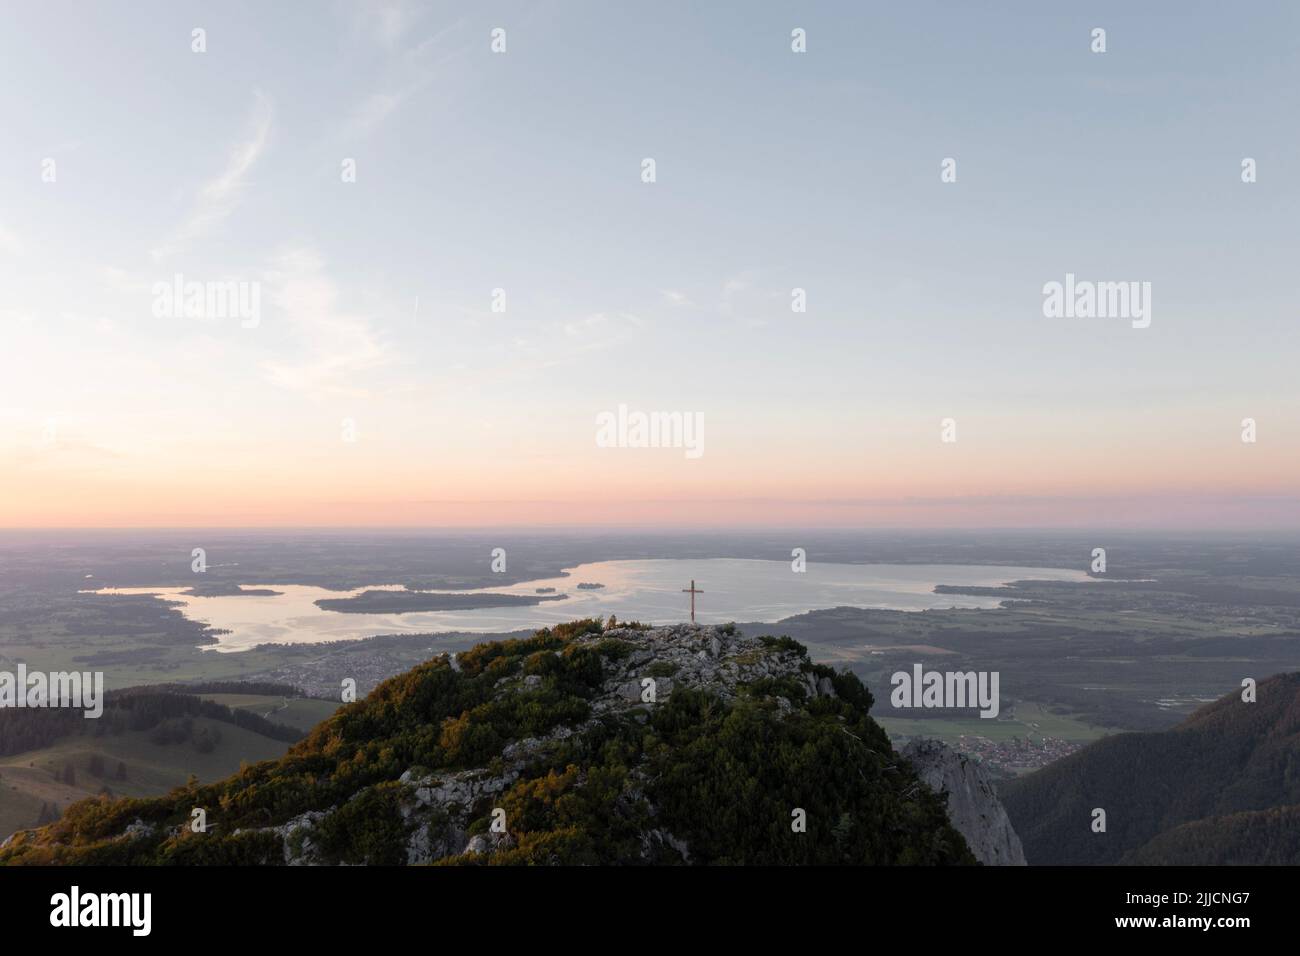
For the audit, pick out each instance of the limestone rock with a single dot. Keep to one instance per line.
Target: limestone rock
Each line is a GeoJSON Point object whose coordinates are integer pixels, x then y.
{"type": "Point", "coordinates": [973, 804]}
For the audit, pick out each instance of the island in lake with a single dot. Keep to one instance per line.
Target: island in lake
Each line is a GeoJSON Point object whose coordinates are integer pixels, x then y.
{"type": "Point", "coordinates": [546, 590]}
{"type": "Point", "coordinates": [229, 590]}
{"type": "Point", "coordinates": [586, 586]}
{"type": "Point", "coordinates": [403, 602]}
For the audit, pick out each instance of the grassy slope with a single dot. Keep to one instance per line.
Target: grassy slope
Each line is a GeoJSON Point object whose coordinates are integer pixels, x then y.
{"type": "Point", "coordinates": [29, 779]}
{"type": "Point", "coordinates": [301, 712]}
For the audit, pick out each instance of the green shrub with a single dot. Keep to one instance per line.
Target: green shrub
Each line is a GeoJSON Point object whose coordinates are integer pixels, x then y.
{"type": "Point", "coordinates": [368, 828]}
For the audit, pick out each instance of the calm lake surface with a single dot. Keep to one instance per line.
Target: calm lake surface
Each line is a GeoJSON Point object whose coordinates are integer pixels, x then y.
{"type": "Point", "coordinates": [649, 591]}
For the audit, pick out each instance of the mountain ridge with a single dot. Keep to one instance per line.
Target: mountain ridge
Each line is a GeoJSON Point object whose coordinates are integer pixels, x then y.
{"type": "Point", "coordinates": [586, 743]}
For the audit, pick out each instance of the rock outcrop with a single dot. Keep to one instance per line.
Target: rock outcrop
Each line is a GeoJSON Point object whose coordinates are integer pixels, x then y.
{"type": "Point", "coordinates": [714, 658]}
{"type": "Point", "coordinates": [973, 804]}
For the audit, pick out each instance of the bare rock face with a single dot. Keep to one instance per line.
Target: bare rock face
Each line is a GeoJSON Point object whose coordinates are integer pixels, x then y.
{"type": "Point", "coordinates": [973, 804]}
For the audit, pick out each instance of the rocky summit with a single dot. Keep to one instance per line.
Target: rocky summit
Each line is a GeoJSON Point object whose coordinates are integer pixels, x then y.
{"type": "Point", "coordinates": [587, 743]}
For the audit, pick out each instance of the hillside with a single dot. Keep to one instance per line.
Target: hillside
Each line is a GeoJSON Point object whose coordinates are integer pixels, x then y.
{"type": "Point", "coordinates": [148, 741]}
{"type": "Point", "coordinates": [1221, 787]}
{"type": "Point", "coordinates": [550, 750]}
{"type": "Point", "coordinates": [1256, 838]}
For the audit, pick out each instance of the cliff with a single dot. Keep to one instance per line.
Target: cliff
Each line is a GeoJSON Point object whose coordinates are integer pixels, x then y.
{"type": "Point", "coordinates": [971, 799]}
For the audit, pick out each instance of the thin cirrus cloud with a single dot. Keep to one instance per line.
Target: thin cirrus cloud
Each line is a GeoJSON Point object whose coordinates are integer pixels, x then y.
{"type": "Point", "coordinates": [412, 72]}
{"type": "Point", "coordinates": [217, 198]}
{"type": "Point", "coordinates": [371, 112]}
{"type": "Point", "coordinates": [385, 22]}
{"type": "Point", "coordinates": [602, 325]}
{"type": "Point", "coordinates": [675, 298]}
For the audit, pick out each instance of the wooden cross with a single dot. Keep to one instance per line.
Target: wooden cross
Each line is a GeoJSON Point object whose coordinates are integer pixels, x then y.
{"type": "Point", "coordinates": [692, 592]}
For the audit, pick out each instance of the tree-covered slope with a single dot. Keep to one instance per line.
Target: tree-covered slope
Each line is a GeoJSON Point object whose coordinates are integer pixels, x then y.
{"type": "Point", "coordinates": [1254, 838]}
{"type": "Point", "coordinates": [1228, 758]}
{"type": "Point", "coordinates": [582, 744]}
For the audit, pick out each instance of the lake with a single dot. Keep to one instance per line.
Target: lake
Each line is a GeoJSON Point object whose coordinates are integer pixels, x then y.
{"type": "Point", "coordinates": [649, 591]}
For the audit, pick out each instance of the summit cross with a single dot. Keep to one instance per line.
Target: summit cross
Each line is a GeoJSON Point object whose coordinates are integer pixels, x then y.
{"type": "Point", "coordinates": [692, 591]}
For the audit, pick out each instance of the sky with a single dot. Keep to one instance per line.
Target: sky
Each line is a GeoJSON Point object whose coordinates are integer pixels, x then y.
{"type": "Point", "coordinates": [381, 384]}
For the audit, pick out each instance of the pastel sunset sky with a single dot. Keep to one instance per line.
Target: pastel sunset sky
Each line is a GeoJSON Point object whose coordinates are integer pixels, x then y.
{"type": "Point", "coordinates": [522, 171]}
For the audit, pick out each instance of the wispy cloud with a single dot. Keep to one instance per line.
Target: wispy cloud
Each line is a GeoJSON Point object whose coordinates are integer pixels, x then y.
{"type": "Point", "coordinates": [217, 198]}
{"type": "Point", "coordinates": [409, 72]}
{"type": "Point", "coordinates": [371, 112]}
{"type": "Point", "coordinates": [581, 328]}
{"type": "Point", "coordinates": [733, 288]}
{"type": "Point", "coordinates": [384, 22]}
{"type": "Point", "coordinates": [334, 345]}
